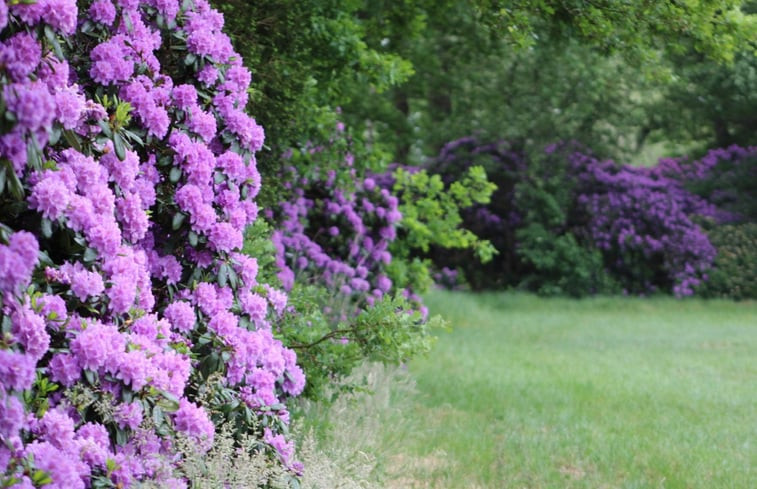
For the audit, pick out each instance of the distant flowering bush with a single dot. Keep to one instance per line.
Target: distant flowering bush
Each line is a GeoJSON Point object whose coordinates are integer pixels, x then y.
{"type": "Point", "coordinates": [341, 235]}
{"type": "Point", "coordinates": [335, 236]}
{"type": "Point", "coordinates": [127, 178]}
{"type": "Point", "coordinates": [643, 224]}
{"type": "Point", "coordinates": [570, 223]}
{"type": "Point", "coordinates": [494, 220]}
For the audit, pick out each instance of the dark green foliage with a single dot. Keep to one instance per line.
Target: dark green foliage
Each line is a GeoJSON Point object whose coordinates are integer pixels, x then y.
{"type": "Point", "coordinates": [308, 58]}
{"type": "Point", "coordinates": [555, 254]}
{"type": "Point", "coordinates": [735, 272]}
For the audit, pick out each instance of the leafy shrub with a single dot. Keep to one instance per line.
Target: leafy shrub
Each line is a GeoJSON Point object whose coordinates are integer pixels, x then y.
{"type": "Point", "coordinates": [129, 316]}
{"type": "Point", "coordinates": [493, 220]}
{"type": "Point", "coordinates": [734, 274]}
{"type": "Point", "coordinates": [332, 240]}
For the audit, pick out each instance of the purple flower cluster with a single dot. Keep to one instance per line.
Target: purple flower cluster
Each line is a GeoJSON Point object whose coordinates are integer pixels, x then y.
{"type": "Point", "coordinates": [637, 217]}
{"type": "Point", "coordinates": [724, 177]}
{"type": "Point", "coordinates": [341, 236]}
{"type": "Point", "coordinates": [153, 207]}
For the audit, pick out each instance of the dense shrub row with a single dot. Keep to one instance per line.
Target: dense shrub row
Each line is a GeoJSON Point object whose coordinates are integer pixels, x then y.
{"type": "Point", "coordinates": [568, 222]}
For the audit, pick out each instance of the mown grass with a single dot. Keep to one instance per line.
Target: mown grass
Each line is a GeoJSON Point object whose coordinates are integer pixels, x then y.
{"type": "Point", "coordinates": [527, 392]}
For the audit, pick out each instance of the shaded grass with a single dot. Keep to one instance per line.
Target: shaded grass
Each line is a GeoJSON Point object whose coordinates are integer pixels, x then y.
{"type": "Point", "coordinates": [603, 392]}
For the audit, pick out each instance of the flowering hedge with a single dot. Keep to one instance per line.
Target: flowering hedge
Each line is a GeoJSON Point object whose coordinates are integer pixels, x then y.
{"type": "Point", "coordinates": [127, 177]}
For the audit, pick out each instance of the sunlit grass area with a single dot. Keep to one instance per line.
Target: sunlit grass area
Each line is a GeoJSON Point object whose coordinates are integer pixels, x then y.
{"type": "Point", "coordinates": [527, 392]}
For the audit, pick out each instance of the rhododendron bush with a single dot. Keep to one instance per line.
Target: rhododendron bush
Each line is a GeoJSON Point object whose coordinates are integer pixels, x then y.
{"type": "Point", "coordinates": [567, 222]}
{"type": "Point", "coordinates": [334, 242]}
{"type": "Point", "coordinates": [127, 179]}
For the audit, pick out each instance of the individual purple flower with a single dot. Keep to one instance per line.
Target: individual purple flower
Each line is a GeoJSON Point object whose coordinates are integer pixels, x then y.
{"type": "Point", "coordinates": [134, 369]}
{"type": "Point", "coordinates": [95, 432]}
{"type": "Point", "coordinates": [103, 11]}
{"type": "Point", "coordinates": [20, 54]}
{"type": "Point", "coordinates": [122, 293]}
{"type": "Point", "coordinates": [294, 382]}
{"type": "Point", "coordinates": [32, 104]}
{"type": "Point", "coordinates": [184, 96]}
{"type": "Point", "coordinates": [111, 61]}
{"type": "Point", "coordinates": [97, 344]}
{"type": "Point", "coordinates": [202, 123]}
{"type": "Point", "coordinates": [225, 237]}
{"type": "Point", "coordinates": [69, 107]}
{"type": "Point", "coordinates": [247, 268]}
{"type": "Point", "coordinates": [128, 415]}
{"type": "Point", "coordinates": [254, 306]}
{"type": "Point", "coordinates": [277, 298]}
{"type": "Point", "coordinates": [57, 464]}
{"type": "Point", "coordinates": [193, 421]}
{"type": "Point", "coordinates": [60, 15]}
{"type": "Point", "coordinates": [57, 428]}
{"type": "Point", "coordinates": [284, 449]}
{"type": "Point", "coordinates": [85, 284]}
{"type": "Point", "coordinates": [29, 330]}
{"type": "Point", "coordinates": [181, 315]}
{"type": "Point", "coordinates": [11, 415]}
{"type": "Point", "coordinates": [104, 236]}
{"type": "Point", "coordinates": [64, 368]}
{"type": "Point", "coordinates": [208, 75]}
{"type": "Point", "coordinates": [17, 260]}
{"type": "Point", "coordinates": [3, 15]}
{"type": "Point", "coordinates": [223, 323]}
{"type": "Point", "coordinates": [134, 220]}
{"type": "Point", "coordinates": [17, 370]}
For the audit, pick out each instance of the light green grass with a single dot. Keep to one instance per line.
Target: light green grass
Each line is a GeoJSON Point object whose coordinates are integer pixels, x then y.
{"type": "Point", "coordinates": [600, 393]}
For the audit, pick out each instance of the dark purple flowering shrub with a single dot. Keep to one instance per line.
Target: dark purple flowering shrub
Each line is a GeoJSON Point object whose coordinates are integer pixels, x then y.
{"type": "Point", "coordinates": [566, 222]}
{"type": "Point", "coordinates": [726, 178]}
{"type": "Point", "coordinates": [643, 224]}
{"type": "Point", "coordinates": [127, 178]}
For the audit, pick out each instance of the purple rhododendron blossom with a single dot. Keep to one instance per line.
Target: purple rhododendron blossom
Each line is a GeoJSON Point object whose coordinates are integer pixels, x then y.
{"type": "Point", "coordinates": [112, 200]}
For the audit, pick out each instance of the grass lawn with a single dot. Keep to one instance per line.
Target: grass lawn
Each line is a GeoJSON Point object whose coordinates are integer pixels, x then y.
{"type": "Point", "coordinates": [527, 392]}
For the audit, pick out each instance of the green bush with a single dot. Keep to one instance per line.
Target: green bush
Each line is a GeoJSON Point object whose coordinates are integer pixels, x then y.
{"type": "Point", "coordinates": [735, 272]}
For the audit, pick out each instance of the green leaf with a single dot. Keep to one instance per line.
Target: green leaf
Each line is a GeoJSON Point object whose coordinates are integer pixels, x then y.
{"type": "Point", "coordinates": [223, 275]}
{"type": "Point", "coordinates": [120, 146]}
{"type": "Point", "coordinates": [90, 255]}
{"type": "Point", "coordinates": [175, 174]}
{"type": "Point", "coordinates": [178, 219]}
{"type": "Point", "coordinates": [72, 139]}
{"type": "Point", "coordinates": [3, 169]}
{"type": "Point", "coordinates": [121, 437]}
{"type": "Point", "coordinates": [157, 415]}
{"type": "Point", "coordinates": [193, 239]}
{"type": "Point", "coordinates": [91, 376]}
{"type": "Point", "coordinates": [168, 405]}
{"type": "Point", "coordinates": [46, 227]}
{"type": "Point", "coordinates": [40, 478]}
